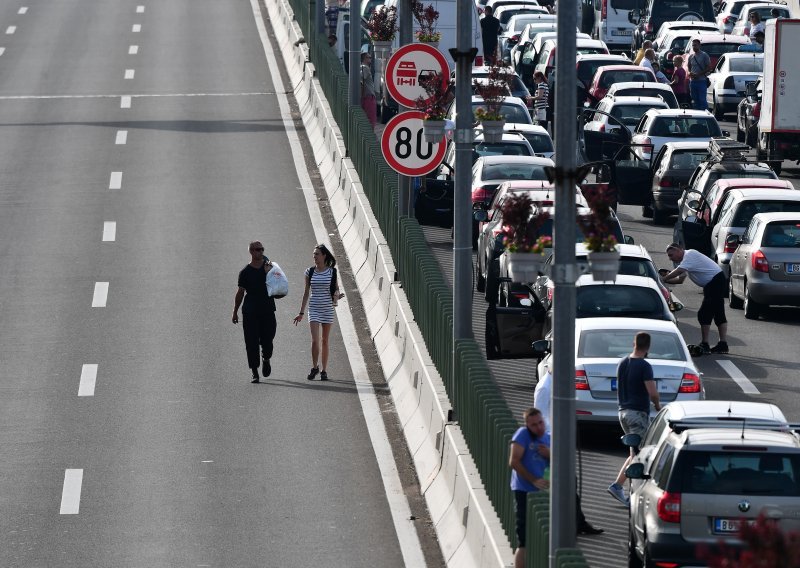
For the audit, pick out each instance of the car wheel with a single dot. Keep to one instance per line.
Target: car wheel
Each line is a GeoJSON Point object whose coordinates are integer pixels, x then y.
{"type": "Point", "coordinates": [733, 301]}
{"type": "Point", "coordinates": [660, 217]}
{"type": "Point", "coordinates": [752, 309]}
{"type": "Point", "coordinates": [633, 558]}
{"type": "Point", "coordinates": [492, 281]}
{"type": "Point", "coordinates": [480, 281]}
{"type": "Point", "coordinates": [719, 110]}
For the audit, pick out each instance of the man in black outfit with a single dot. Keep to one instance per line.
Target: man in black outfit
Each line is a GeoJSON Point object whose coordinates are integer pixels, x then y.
{"type": "Point", "coordinates": [258, 311]}
{"type": "Point", "coordinates": [490, 29]}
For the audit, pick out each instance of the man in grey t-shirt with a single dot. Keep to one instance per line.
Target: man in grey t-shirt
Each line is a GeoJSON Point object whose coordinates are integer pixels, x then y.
{"type": "Point", "coordinates": [699, 64]}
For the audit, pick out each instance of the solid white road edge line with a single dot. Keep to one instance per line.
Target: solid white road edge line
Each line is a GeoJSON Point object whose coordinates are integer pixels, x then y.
{"type": "Point", "coordinates": [398, 504]}
{"type": "Point", "coordinates": [2, 50]}
{"type": "Point", "coordinates": [88, 380]}
{"type": "Point", "coordinates": [71, 494]}
{"type": "Point", "coordinates": [122, 137]}
{"type": "Point", "coordinates": [734, 372]}
{"type": "Point", "coordinates": [109, 231]}
{"type": "Point", "coordinates": [115, 182]}
{"type": "Point", "coordinates": [100, 296]}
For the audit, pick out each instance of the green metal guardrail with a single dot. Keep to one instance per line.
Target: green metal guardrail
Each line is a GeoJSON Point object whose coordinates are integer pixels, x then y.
{"type": "Point", "coordinates": [483, 414]}
{"type": "Point", "coordinates": [537, 537]}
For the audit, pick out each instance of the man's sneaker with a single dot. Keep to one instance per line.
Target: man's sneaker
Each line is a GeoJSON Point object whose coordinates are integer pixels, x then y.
{"type": "Point", "coordinates": [721, 347]}
{"type": "Point", "coordinates": [266, 368]}
{"type": "Point", "coordinates": [618, 493]}
{"type": "Point", "coordinates": [705, 347]}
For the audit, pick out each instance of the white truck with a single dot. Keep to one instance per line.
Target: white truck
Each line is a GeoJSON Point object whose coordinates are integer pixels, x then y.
{"type": "Point", "coordinates": [779, 123]}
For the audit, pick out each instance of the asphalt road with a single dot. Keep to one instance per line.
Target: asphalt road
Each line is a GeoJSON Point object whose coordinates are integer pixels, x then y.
{"type": "Point", "coordinates": [170, 457]}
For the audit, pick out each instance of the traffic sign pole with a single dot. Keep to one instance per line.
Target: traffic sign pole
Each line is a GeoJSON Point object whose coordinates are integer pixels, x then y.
{"type": "Point", "coordinates": [406, 38]}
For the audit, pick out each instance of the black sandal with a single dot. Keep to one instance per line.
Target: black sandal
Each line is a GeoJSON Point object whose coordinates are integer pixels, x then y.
{"type": "Point", "coordinates": [323, 376]}
{"type": "Point", "coordinates": [313, 373]}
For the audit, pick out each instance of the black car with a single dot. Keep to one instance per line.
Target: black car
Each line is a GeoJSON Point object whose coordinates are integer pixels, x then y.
{"type": "Point", "coordinates": [653, 13]}
{"type": "Point", "coordinates": [747, 114]}
{"type": "Point", "coordinates": [672, 168]}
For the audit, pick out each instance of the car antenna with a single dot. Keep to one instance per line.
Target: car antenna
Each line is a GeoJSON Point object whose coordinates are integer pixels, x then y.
{"type": "Point", "coordinates": [729, 409]}
{"type": "Point", "coordinates": [743, 424]}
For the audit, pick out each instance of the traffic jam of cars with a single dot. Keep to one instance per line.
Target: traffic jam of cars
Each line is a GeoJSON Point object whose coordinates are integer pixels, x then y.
{"type": "Point", "coordinates": [703, 467]}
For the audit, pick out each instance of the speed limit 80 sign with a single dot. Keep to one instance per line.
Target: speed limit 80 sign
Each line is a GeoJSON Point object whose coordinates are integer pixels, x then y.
{"type": "Point", "coordinates": [404, 146]}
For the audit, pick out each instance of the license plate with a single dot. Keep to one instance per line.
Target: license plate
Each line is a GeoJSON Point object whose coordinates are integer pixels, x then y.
{"type": "Point", "coordinates": [792, 268]}
{"type": "Point", "coordinates": [662, 386]}
{"type": "Point", "coordinates": [621, 32]}
{"type": "Point", "coordinates": [727, 526]}
{"type": "Point", "coordinates": [613, 384]}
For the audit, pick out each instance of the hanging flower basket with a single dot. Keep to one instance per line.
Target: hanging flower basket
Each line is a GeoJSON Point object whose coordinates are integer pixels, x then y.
{"type": "Point", "coordinates": [431, 43]}
{"type": "Point", "coordinates": [433, 130]}
{"type": "Point", "coordinates": [522, 267]}
{"type": "Point", "coordinates": [493, 131]}
{"type": "Point", "coordinates": [604, 266]}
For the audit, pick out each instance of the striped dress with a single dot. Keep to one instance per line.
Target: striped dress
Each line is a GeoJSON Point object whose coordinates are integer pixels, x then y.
{"type": "Point", "coordinates": [320, 303]}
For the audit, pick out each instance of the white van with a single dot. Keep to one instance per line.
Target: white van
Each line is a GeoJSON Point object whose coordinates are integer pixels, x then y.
{"type": "Point", "coordinates": [611, 23]}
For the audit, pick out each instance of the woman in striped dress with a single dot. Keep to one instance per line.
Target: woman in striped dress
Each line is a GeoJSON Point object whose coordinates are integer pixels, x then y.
{"type": "Point", "coordinates": [540, 98]}
{"type": "Point", "coordinates": [321, 293]}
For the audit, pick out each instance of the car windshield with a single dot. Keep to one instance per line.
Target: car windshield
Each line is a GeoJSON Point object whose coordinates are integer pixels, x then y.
{"type": "Point", "coordinates": [618, 300]}
{"type": "Point", "coordinates": [514, 170]}
{"type": "Point", "coordinates": [501, 149]}
{"type": "Point", "coordinates": [766, 13]}
{"type": "Point", "coordinates": [665, 94]}
{"type": "Point", "coordinates": [587, 69]}
{"type": "Point", "coordinates": [505, 15]}
{"type": "Point", "coordinates": [739, 473]}
{"type": "Point", "coordinates": [546, 229]}
{"type": "Point", "coordinates": [541, 143]}
{"type": "Point", "coordinates": [629, 115]}
{"type": "Point", "coordinates": [510, 112]}
{"type": "Point", "coordinates": [782, 234]}
{"type": "Point", "coordinates": [521, 22]}
{"type": "Point", "coordinates": [685, 127]}
{"type": "Point", "coordinates": [745, 212]}
{"type": "Point", "coordinates": [747, 64]}
{"type": "Point", "coordinates": [687, 160]}
{"type": "Point", "coordinates": [632, 266]}
{"type": "Point", "coordinates": [668, 10]}
{"type": "Point", "coordinates": [625, 76]}
{"type": "Point", "coordinates": [679, 44]}
{"type": "Point", "coordinates": [616, 343]}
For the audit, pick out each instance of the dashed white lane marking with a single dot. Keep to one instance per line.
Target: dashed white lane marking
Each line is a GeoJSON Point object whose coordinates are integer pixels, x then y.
{"type": "Point", "coordinates": [122, 137]}
{"type": "Point", "coordinates": [400, 510]}
{"type": "Point", "coordinates": [129, 73]}
{"type": "Point", "coordinates": [100, 296]}
{"type": "Point", "coordinates": [10, 30]}
{"type": "Point", "coordinates": [109, 231]}
{"type": "Point", "coordinates": [125, 102]}
{"type": "Point", "coordinates": [88, 380]}
{"type": "Point", "coordinates": [133, 50]}
{"type": "Point", "coordinates": [136, 28]}
{"type": "Point", "coordinates": [71, 494]}
{"type": "Point", "coordinates": [2, 50]}
{"type": "Point", "coordinates": [23, 10]}
{"type": "Point", "coordinates": [115, 182]}
{"type": "Point", "coordinates": [139, 9]}
{"type": "Point", "coordinates": [734, 372]}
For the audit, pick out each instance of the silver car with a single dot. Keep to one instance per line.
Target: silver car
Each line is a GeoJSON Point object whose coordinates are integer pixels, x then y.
{"type": "Point", "coordinates": [765, 269]}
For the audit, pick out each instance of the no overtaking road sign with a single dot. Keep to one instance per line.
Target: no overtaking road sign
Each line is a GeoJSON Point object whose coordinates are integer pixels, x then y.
{"type": "Point", "coordinates": [407, 66]}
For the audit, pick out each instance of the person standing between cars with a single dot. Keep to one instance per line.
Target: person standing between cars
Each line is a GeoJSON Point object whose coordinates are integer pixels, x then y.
{"type": "Point", "coordinates": [490, 29]}
{"type": "Point", "coordinates": [709, 276]}
{"type": "Point", "coordinates": [636, 388]}
{"type": "Point", "coordinates": [368, 90]}
{"type": "Point", "coordinates": [647, 60]}
{"type": "Point", "coordinates": [660, 77]}
{"type": "Point", "coordinates": [756, 46]}
{"type": "Point", "coordinates": [540, 98]}
{"type": "Point", "coordinates": [756, 25]}
{"type": "Point", "coordinates": [637, 60]}
{"type": "Point", "coordinates": [679, 83]}
{"type": "Point", "coordinates": [699, 67]}
{"type": "Point", "coordinates": [321, 293]}
{"type": "Point", "coordinates": [529, 457]}
{"type": "Point", "coordinates": [258, 311]}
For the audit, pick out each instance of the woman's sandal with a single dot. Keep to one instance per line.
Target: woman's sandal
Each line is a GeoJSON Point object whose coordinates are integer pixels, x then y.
{"type": "Point", "coordinates": [313, 373]}
{"type": "Point", "coordinates": [323, 376]}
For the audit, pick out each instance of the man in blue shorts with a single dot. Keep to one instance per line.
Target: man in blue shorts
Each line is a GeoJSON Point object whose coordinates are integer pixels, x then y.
{"type": "Point", "coordinates": [635, 389]}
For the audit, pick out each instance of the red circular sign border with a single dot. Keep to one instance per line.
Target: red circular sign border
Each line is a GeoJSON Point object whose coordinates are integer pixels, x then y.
{"type": "Point", "coordinates": [395, 59]}
{"type": "Point", "coordinates": [402, 117]}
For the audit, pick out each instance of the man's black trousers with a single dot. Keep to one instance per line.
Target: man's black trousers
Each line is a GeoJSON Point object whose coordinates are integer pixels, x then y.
{"type": "Point", "coordinates": [259, 331]}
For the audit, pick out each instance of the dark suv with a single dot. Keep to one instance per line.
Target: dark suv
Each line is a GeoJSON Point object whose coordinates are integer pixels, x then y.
{"type": "Point", "coordinates": [653, 13]}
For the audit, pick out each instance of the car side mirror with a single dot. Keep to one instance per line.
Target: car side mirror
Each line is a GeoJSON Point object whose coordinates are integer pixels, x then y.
{"type": "Point", "coordinates": [636, 471]}
{"type": "Point", "coordinates": [525, 302]}
{"type": "Point", "coordinates": [732, 240]}
{"type": "Point", "coordinates": [675, 306]}
{"type": "Point", "coordinates": [480, 215]}
{"type": "Point", "coordinates": [726, 133]}
{"type": "Point", "coordinates": [693, 204]}
{"type": "Point", "coordinates": [628, 239]}
{"type": "Point", "coordinates": [632, 440]}
{"type": "Point", "coordinates": [541, 347]}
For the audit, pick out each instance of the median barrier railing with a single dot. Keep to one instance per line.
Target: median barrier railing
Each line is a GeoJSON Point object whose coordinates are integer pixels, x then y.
{"type": "Point", "coordinates": [537, 537]}
{"type": "Point", "coordinates": [483, 414]}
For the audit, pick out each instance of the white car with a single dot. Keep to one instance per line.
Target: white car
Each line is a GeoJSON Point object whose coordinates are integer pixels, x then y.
{"type": "Point", "coordinates": [600, 343]}
{"type": "Point", "coordinates": [600, 134]}
{"type": "Point", "coordinates": [729, 14]}
{"type": "Point", "coordinates": [730, 78]}
{"type": "Point", "coordinates": [505, 13]}
{"type": "Point", "coordinates": [513, 109]}
{"type": "Point", "coordinates": [764, 9]}
{"type": "Point", "coordinates": [538, 137]}
{"type": "Point", "coordinates": [659, 126]}
{"type": "Point", "coordinates": [526, 37]}
{"type": "Point", "coordinates": [682, 25]}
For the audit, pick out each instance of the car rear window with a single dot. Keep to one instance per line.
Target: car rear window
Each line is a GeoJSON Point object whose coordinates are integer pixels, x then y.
{"type": "Point", "coordinates": [782, 234]}
{"type": "Point", "coordinates": [739, 473]}
{"type": "Point", "coordinates": [630, 266]}
{"type": "Point", "coordinates": [629, 115]}
{"type": "Point", "coordinates": [587, 69]}
{"type": "Point", "coordinates": [501, 149]}
{"type": "Point", "coordinates": [685, 127]}
{"type": "Point", "coordinates": [665, 94]}
{"type": "Point", "coordinates": [766, 13]}
{"type": "Point", "coordinates": [618, 300]}
{"type": "Point", "coordinates": [540, 143]}
{"type": "Point", "coordinates": [717, 49]}
{"type": "Point", "coordinates": [687, 160]}
{"type": "Point", "coordinates": [668, 10]}
{"type": "Point", "coordinates": [546, 229]}
{"type": "Point", "coordinates": [616, 343]}
{"type": "Point", "coordinates": [514, 171]}
{"type": "Point", "coordinates": [744, 214]}
{"type": "Point", "coordinates": [510, 112]}
{"type": "Point", "coordinates": [748, 64]}
{"type": "Point", "coordinates": [634, 75]}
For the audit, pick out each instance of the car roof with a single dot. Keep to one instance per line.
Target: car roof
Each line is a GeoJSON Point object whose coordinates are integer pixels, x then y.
{"type": "Point", "coordinates": [687, 409]}
{"type": "Point", "coordinates": [687, 145]}
{"type": "Point", "coordinates": [711, 37]}
{"type": "Point", "coordinates": [754, 182]}
{"type": "Point", "coordinates": [509, 99]}
{"type": "Point", "coordinates": [519, 184]}
{"type": "Point", "coordinates": [679, 112]}
{"type": "Point", "coordinates": [604, 68]}
{"type": "Point", "coordinates": [621, 280]}
{"type": "Point", "coordinates": [524, 127]}
{"type": "Point", "coordinates": [744, 55]}
{"type": "Point", "coordinates": [675, 23]}
{"type": "Point", "coordinates": [737, 164]}
{"type": "Point", "coordinates": [638, 324]}
{"type": "Point", "coordinates": [779, 216]}
{"type": "Point", "coordinates": [766, 5]}
{"type": "Point", "coordinates": [508, 137]}
{"type": "Point", "coordinates": [750, 194]}
{"type": "Point", "coordinates": [702, 438]}
{"type": "Point", "coordinates": [593, 56]}
{"type": "Point", "coordinates": [640, 85]}
{"type": "Point", "coordinates": [536, 160]}
{"type": "Point", "coordinates": [636, 100]}
{"type": "Point", "coordinates": [485, 70]}
{"type": "Point", "coordinates": [637, 251]}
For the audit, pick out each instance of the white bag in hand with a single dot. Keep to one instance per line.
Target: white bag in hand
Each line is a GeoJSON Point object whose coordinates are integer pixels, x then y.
{"type": "Point", "coordinates": [277, 284]}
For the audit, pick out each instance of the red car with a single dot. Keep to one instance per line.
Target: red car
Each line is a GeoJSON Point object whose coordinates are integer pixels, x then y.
{"type": "Point", "coordinates": [715, 45]}
{"type": "Point", "coordinates": [607, 75]}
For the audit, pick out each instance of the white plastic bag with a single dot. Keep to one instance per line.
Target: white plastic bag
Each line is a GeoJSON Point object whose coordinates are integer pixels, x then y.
{"type": "Point", "coordinates": [277, 284]}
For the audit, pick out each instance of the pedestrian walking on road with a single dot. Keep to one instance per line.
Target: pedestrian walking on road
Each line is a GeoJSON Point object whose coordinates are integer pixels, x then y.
{"type": "Point", "coordinates": [709, 276]}
{"type": "Point", "coordinates": [321, 295]}
{"type": "Point", "coordinates": [636, 388]}
{"type": "Point", "coordinates": [490, 29]}
{"type": "Point", "coordinates": [258, 311]}
{"type": "Point", "coordinates": [529, 457]}
{"type": "Point", "coordinates": [368, 101]}
{"type": "Point", "coordinates": [699, 67]}
{"type": "Point", "coordinates": [541, 98]}
{"type": "Point", "coordinates": [680, 85]}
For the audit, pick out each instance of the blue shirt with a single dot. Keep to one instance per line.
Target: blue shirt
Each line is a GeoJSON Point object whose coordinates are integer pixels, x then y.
{"type": "Point", "coordinates": [531, 459]}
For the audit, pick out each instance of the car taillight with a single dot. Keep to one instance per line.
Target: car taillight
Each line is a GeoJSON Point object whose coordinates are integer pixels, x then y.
{"type": "Point", "coordinates": [515, 38]}
{"type": "Point", "coordinates": [729, 83]}
{"type": "Point", "coordinates": [648, 28]}
{"type": "Point", "coordinates": [759, 262]}
{"type": "Point", "coordinates": [604, 9]}
{"type": "Point", "coordinates": [581, 382]}
{"type": "Point", "coordinates": [729, 247]}
{"type": "Point", "coordinates": [647, 144]}
{"type": "Point", "coordinates": [602, 128]}
{"type": "Point", "coordinates": [728, 20]}
{"type": "Point", "coordinates": [665, 182]}
{"type": "Point", "coordinates": [478, 61]}
{"type": "Point", "coordinates": [756, 110]}
{"type": "Point", "coordinates": [481, 194]}
{"type": "Point", "coordinates": [666, 294]}
{"type": "Point", "coordinates": [669, 507]}
{"type": "Point", "coordinates": [689, 383]}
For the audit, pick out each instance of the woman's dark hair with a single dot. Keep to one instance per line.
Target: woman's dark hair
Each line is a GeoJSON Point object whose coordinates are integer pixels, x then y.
{"type": "Point", "coordinates": [330, 260]}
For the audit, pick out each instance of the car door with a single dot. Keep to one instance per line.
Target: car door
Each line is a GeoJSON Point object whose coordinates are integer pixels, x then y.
{"type": "Point", "coordinates": [526, 63]}
{"type": "Point", "coordinates": [632, 176]}
{"type": "Point", "coordinates": [510, 331]}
